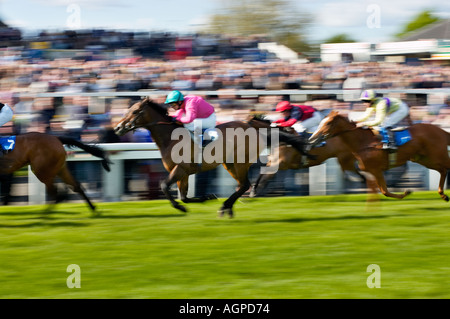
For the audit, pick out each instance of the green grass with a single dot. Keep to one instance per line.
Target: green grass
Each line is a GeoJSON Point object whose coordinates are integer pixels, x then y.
{"type": "Point", "coordinates": [286, 247]}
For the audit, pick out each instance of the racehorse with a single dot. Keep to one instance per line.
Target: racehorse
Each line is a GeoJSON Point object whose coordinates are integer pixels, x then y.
{"type": "Point", "coordinates": [228, 150]}
{"type": "Point", "coordinates": [290, 158]}
{"type": "Point", "coordinates": [428, 146]}
{"type": "Point", "coordinates": [47, 157]}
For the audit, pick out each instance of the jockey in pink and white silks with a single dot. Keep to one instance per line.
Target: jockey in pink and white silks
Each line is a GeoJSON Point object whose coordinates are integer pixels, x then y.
{"type": "Point", "coordinates": [190, 108]}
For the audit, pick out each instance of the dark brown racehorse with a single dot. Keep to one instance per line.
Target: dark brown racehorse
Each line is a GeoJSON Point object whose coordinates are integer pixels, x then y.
{"type": "Point", "coordinates": [290, 158]}
{"type": "Point", "coordinates": [235, 156]}
{"type": "Point", "coordinates": [47, 157]}
{"type": "Point", "coordinates": [428, 147]}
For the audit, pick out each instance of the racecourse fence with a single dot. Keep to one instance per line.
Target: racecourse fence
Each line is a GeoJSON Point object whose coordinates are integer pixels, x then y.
{"type": "Point", "coordinates": [139, 164]}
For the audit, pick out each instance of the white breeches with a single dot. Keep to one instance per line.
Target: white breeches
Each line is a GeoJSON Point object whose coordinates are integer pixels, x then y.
{"type": "Point", "coordinates": [393, 118]}
{"type": "Point", "coordinates": [206, 123]}
{"type": "Point", "coordinates": [6, 115]}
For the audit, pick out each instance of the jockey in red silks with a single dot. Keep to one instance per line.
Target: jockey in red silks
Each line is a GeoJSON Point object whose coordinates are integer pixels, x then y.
{"type": "Point", "coordinates": [302, 118]}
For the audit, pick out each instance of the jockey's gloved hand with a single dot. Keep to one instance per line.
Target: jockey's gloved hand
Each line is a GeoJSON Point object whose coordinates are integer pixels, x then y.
{"type": "Point", "coordinates": [273, 125]}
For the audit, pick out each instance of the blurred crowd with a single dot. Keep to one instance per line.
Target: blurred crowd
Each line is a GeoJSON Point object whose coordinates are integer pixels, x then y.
{"type": "Point", "coordinates": [212, 67]}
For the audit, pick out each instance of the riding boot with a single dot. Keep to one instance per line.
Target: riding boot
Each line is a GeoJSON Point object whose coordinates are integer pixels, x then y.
{"type": "Point", "coordinates": [307, 146]}
{"type": "Point", "coordinates": [388, 139]}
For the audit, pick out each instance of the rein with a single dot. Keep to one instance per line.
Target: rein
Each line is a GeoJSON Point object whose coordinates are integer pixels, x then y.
{"type": "Point", "coordinates": [158, 123]}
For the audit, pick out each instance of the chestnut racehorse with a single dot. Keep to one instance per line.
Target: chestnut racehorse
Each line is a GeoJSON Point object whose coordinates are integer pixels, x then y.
{"type": "Point", "coordinates": [165, 133]}
{"type": "Point", "coordinates": [47, 157]}
{"type": "Point", "coordinates": [428, 147]}
{"type": "Point", "coordinates": [290, 158]}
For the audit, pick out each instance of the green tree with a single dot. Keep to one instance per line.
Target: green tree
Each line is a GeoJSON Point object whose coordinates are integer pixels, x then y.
{"type": "Point", "coordinates": [339, 38]}
{"type": "Point", "coordinates": [419, 21]}
{"type": "Point", "coordinates": [277, 19]}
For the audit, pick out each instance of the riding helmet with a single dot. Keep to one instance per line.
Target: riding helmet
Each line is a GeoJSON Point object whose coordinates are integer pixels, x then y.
{"type": "Point", "coordinates": [283, 106]}
{"type": "Point", "coordinates": [174, 96]}
{"type": "Point", "coordinates": [368, 95]}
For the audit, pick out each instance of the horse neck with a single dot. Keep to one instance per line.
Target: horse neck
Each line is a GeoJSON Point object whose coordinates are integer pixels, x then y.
{"type": "Point", "coordinates": [160, 129]}
{"type": "Point", "coordinates": [161, 134]}
{"type": "Point", "coordinates": [257, 124]}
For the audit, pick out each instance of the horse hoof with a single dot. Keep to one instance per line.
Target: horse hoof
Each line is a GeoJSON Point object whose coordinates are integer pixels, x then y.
{"type": "Point", "coordinates": [224, 211]}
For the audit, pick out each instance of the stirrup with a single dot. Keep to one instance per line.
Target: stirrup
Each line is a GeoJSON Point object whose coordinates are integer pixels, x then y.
{"type": "Point", "coordinates": [389, 146]}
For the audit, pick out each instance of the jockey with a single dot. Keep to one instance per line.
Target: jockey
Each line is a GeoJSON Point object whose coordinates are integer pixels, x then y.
{"type": "Point", "coordinates": [191, 108]}
{"type": "Point", "coordinates": [6, 114]}
{"type": "Point", "coordinates": [302, 118]}
{"type": "Point", "coordinates": [388, 112]}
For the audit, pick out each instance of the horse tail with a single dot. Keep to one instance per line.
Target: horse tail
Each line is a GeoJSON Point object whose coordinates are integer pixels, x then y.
{"type": "Point", "coordinates": [91, 149]}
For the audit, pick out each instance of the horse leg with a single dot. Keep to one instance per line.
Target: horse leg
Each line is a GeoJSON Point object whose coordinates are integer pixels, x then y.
{"type": "Point", "coordinates": [381, 182]}
{"type": "Point", "coordinates": [261, 184]}
{"type": "Point", "coordinates": [177, 174]}
{"type": "Point", "coordinates": [6, 183]}
{"type": "Point", "coordinates": [241, 175]}
{"type": "Point", "coordinates": [443, 173]}
{"type": "Point", "coordinates": [52, 193]}
{"type": "Point", "coordinates": [183, 186]}
{"type": "Point", "coordinates": [68, 178]}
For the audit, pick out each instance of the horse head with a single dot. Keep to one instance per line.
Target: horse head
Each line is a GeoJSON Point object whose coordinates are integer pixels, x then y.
{"type": "Point", "coordinates": [332, 125]}
{"type": "Point", "coordinates": [141, 114]}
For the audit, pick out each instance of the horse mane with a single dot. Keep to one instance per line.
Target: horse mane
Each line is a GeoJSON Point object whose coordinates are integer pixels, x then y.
{"type": "Point", "coordinates": [157, 107]}
{"type": "Point", "coordinates": [345, 118]}
{"type": "Point", "coordinates": [260, 117]}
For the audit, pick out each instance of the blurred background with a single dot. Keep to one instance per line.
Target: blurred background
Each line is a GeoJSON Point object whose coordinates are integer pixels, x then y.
{"type": "Point", "coordinates": [74, 67]}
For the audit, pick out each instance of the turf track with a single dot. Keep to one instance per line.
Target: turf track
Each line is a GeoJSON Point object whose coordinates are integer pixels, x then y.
{"type": "Point", "coordinates": [285, 247]}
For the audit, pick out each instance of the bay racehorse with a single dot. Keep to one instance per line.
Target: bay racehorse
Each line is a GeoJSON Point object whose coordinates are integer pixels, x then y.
{"type": "Point", "coordinates": [428, 146]}
{"type": "Point", "coordinates": [235, 148]}
{"type": "Point", "coordinates": [47, 157]}
{"type": "Point", "coordinates": [289, 158]}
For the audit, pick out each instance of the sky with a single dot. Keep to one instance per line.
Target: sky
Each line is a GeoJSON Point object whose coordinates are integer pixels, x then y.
{"type": "Point", "coordinates": [362, 20]}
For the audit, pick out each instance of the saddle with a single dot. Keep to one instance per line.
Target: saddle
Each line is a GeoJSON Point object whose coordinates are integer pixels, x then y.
{"type": "Point", "coordinates": [7, 143]}
{"type": "Point", "coordinates": [401, 135]}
